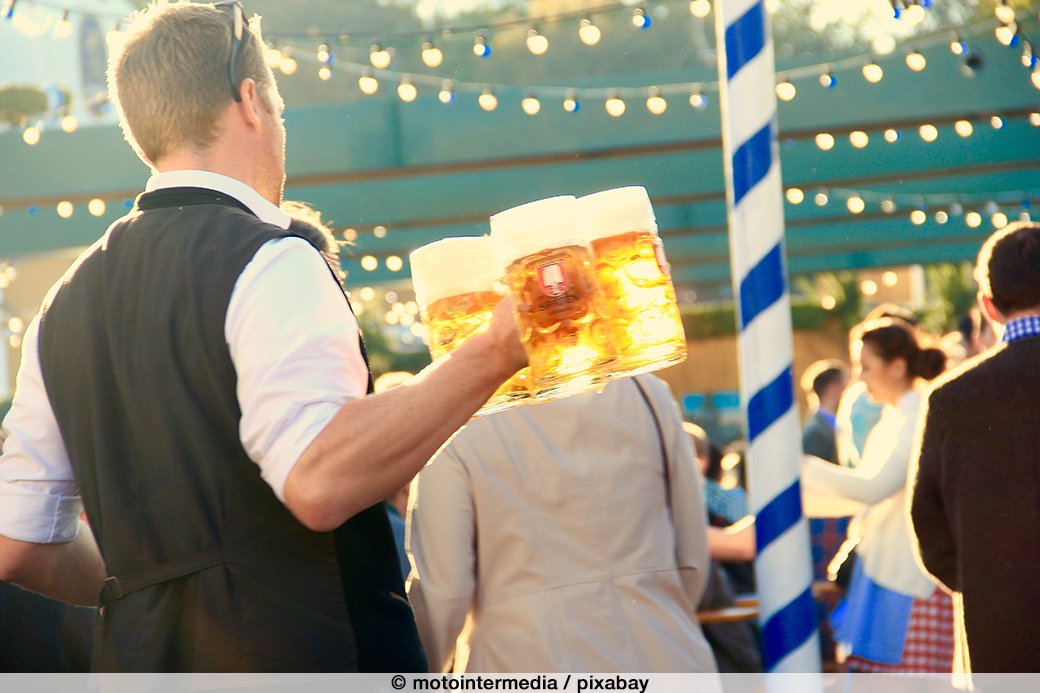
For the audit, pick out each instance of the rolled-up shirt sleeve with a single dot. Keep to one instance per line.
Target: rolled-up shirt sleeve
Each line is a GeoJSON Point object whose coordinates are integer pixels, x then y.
{"type": "Point", "coordinates": [295, 347]}
{"type": "Point", "coordinates": [39, 498]}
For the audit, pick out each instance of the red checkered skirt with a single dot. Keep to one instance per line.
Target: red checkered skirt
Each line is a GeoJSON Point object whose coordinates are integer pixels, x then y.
{"type": "Point", "coordinates": [928, 647]}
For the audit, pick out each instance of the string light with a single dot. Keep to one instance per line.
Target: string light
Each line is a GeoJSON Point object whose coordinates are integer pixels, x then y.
{"type": "Point", "coordinates": [697, 99]}
{"type": "Point", "coordinates": [941, 217]}
{"type": "Point", "coordinates": [531, 104]}
{"type": "Point", "coordinates": [640, 19]}
{"type": "Point", "coordinates": [31, 135]}
{"type": "Point", "coordinates": [432, 56]}
{"type": "Point", "coordinates": [324, 73]}
{"type": "Point", "coordinates": [379, 231]}
{"type": "Point", "coordinates": [570, 102]}
{"type": "Point", "coordinates": [1034, 119]}
{"type": "Point", "coordinates": [999, 220]}
{"type": "Point", "coordinates": [928, 132]}
{"type": "Point", "coordinates": [406, 90]}
{"type": "Point", "coordinates": [825, 141]}
{"type": "Point", "coordinates": [1035, 76]}
{"type": "Point", "coordinates": [795, 196]}
{"type": "Point", "coordinates": [1028, 55]}
{"type": "Point", "coordinates": [368, 83]}
{"type": "Point", "coordinates": [69, 123]}
{"type": "Point", "coordinates": [973, 219]}
{"type": "Point", "coordinates": [785, 91]}
{"type": "Point", "coordinates": [918, 217]}
{"type": "Point", "coordinates": [820, 199]}
{"type": "Point", "coordinates": [888, 205]}
{"type": "Point", "coordinates": [394, 264]}
{"type": "Point", "coordinates": [872, 72]}
{"type": "Point", "coordinates": [855, 204]}
{"type": "Point", "coordinates": [65, 209]}
{"type": "Point", "coordinates": [447, 92]}
{"type": "Point", "coordinates": [700, 8]}
{"type": "Point", "coordinates": [588, 32]}
{"type": "Point", "coordinates": [537, 44]}
{"type": "Point", "coordinates": [859, 139]}
{"type": "Point", "coordinates": [369, 263]}
{"type": "Point", "coordinates": [957, 46]}
{"type": "Point", "coordinates": [916, 61]}
{"type": "Point", "coordinates": [996, 122]}
{"type": "Point", "coordinates": [324, 55]}
{"type": "Point", "coordinates": [273, 56]}
{"type": "Point", "coordinates": [828, 80]}
{"type": "Point", "coordinates": [287, 65]}
{"type": "Point", "coordinates": [63, 27]}
{"type": "Point", "coordinates": [614, 104]}
{"type": "Point", "coordinates": [96, 207]}
{"type": "Point", "coordinates": [964, 128]}
{"type": "Point", "coordinates": [487, 100]}
{"type": "Point", "coordinates": [914, 14]}
{"type": "Point", "coordinates": [1005, 13]}
{"type": "Point", "coordinates": [379, 57]}
{"type": "Point", "coordinates": [481, 47]}
{"type": "Point", "coordinates": [655, 103]}
{"type": "Point", "coordinates": [1005, 33]}
{"type": "Point", "coordinates": [891, 135]}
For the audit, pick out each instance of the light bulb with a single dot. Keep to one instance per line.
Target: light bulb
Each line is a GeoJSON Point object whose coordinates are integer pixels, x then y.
{"type": "Point", "coordinates": [820, 199]}
{"type": "Point", "coordinates": [96, 207]}
{"type": "Point", "coordinates": [964, 128]}
{"type": "Point", "coordinates": [1035, 76]}
{"type": "Point", "coordinates": [640, 19]}
{"type": "Point", "coordinates": [63, 27]}
{"type": "Point", "coordinates": [379, 57]}
{"type": "Point", "coordinates": [928, 132]}
{"type": "Point", "coordinates": [570, 102]}
{"type": "Point", "coordinates": [324, 73]}
{"type": "Point", "coordinates": [698, 100]}
{"type": "Point", "coordinates": [487, 100]}
{"type": "Point", "coordinates": [368, 84]}
{"type": "Point", "coordinates": [481, 48]}
{"type": "Point", "coordinates": [957, 46]}
{"type": "Point", "coordinates": [825, 141]}
{"type": "Point", "coordinates": [700, 8]}
{"type": "Point", "coordinates": [996, 122]}
{"type": "Point", "coordinates": [1005, 34]}
{"type": "Point", "coordinates": [65, 209]}
{"type": "Point", "coordinates": [432, 56]}
{"type": "Point", "coordinates": [588, 32]}
{"type": "Point", "coordinates": [1034, 119]}
{"type": "Point", "coordinates": [447, 92]}
{"type": "Point", "coordinates": [69, 123]}
{"type": "Point", "coordinates": [31, 135]}
{"type": "Point", "coordinates": [406, 90]}
{"type": "Point", "coordinates": [859, 139]}
{"type": "Point", "coordinates": [531, 105]}
{"type": "Point", "coordinates": [656, 103]}
{"type": "Point", "coordinates": [916, 61]}
{"type": "Point", "coordinates": [828, 81]}
{"type": "Point", "coordinates": [855, 204]}
{"type": "Point", "coordinates": [914, 14]}
{"type": "Point", "coordinates": [369, 263]}
{"type": "Point", "coordinates": [941, 217]}
{"type": "Point", "coordinates": [999, 220]}
{"type": "Point", "coordinates": [891, 135]}
{"type": "Point", "coordinates": [615, 105]}
{"type": "Point", "coordinates": [918, 217]}
{"type": "Point", "coordinates": [273, 56]}
{"type": "Point", "coordinates": [888, 205]}
{"type": "Point", "coordinates": [785, 91]}
{"type": "Point", "coordinates": [872, 72]}
{"type": "Point", "coordinates": [288, 65]}
{"type": "Point", "coordinates": [1005, 13]}
{"type": "Point", "coordinates": [795, 196]}
{"type": "Point", "coordinates": [394, 263]}
{"type": "Point", "coordinates": [323, 55]}
{"type": "Point", "coordinates": [973, 219]}
{"type": "Point", "coordinates": [536, 42]}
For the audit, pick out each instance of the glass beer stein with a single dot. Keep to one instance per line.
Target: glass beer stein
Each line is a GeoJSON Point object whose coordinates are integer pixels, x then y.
{"type": "Point", "coordinates": [454, 281]}
{"type": "Point", "coordinates": [639, 302]}
{"type": "Point", "coordinates": [550, 275]}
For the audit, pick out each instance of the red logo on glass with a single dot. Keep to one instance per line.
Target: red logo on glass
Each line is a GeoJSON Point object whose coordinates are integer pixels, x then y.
{"type": "Point", "coordinates": [552, 279]}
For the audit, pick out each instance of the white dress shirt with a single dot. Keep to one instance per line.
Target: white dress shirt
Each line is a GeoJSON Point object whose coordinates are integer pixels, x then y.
{"type": "Point", "coordinates": [297, 358]}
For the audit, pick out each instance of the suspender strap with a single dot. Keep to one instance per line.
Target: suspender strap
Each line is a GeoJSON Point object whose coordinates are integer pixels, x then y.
{"type": "Point", "coordinates": [118, 587]}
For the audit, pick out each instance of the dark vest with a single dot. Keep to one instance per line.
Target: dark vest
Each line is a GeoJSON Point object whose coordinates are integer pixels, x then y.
{"type": "Point", "coordinates": [211, 571]}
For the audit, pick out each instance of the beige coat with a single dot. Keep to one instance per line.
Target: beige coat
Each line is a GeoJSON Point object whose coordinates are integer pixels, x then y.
{"type": "Point", "coordinates": [559, 538]}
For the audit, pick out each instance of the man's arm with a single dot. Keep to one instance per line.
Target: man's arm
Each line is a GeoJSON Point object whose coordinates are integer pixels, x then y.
{"type": "Point", "coordinates": [374, 445]}
{"type": "Point", "coordinates": [71, 572]}
{"type": "Point", "coordinates": [933, 542]}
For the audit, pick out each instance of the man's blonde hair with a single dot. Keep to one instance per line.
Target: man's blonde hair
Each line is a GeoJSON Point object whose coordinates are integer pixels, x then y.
{"type": "Point", "coordinates": [168, 75]}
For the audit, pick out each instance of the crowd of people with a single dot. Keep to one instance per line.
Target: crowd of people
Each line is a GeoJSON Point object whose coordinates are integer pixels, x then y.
{"type": "Point", "coordinates": [209, 463]}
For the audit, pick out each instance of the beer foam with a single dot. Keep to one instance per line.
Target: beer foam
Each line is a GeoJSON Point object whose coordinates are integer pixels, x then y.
{"type": "Point", "coordinates": [453, 266]}
{"type": "Point", "coordinates": [616, 211]}
{"type": "Point", "coordinates": [535, 226]}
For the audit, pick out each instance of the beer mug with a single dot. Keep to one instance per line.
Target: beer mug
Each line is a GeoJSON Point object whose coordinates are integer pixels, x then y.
{"type": "Point", "coordinates": [549, 272]}
{"type": "Point", "coordinates": [454, 281]}
{"type": "Point", "coordinates": [639, 300]}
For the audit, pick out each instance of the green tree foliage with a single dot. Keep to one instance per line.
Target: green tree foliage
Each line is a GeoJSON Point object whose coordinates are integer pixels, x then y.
{"type": "Point", "coordinates": [951, 292]}
{"type": "Point", "coordinates": [19, 103]}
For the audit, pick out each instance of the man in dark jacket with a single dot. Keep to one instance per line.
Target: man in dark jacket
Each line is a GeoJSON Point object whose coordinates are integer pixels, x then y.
{"type": "Point", "coordinates": [196, 382]}
{"type": "Point", "coordinates": [975, 500]}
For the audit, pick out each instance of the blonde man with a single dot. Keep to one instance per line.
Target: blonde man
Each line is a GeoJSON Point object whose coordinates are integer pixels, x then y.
{"type": "Point", "coordinates": [196, 382]}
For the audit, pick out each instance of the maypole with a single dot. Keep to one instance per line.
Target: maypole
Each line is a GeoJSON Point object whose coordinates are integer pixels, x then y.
{"type": "Point", "coordinates": [754, 200]}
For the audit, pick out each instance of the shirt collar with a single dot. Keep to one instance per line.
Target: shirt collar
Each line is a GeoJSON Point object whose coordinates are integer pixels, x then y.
{"type": "Point", "coordinates": [261, 207]}
{"type": "Point", "coordinates": [1021, 328]}
{"type": "Point", "coordinates": [827, 417]}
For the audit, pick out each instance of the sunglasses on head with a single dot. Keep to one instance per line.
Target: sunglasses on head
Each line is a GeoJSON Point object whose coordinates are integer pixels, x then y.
{"type": "Point", "coordinates": [238, 23]}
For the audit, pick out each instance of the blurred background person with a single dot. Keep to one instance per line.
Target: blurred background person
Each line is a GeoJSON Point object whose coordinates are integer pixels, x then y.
{"type": "Point", "coordinates": [894, 618]}
{"type": "Point", "coordinates": [563, 536]}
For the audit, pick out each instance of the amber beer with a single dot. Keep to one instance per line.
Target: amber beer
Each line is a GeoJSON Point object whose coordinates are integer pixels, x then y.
{"type": "Point", "coordinates": [454, 281]}
{"type": "Point", "coordinates": [551, 278]}
{"type": "Point", "coordinates": [639, 303]}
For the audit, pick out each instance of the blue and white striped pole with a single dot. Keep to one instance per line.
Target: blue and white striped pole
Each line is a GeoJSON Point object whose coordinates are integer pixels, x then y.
{"type": "Point", "coordinates": [754, 200]}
